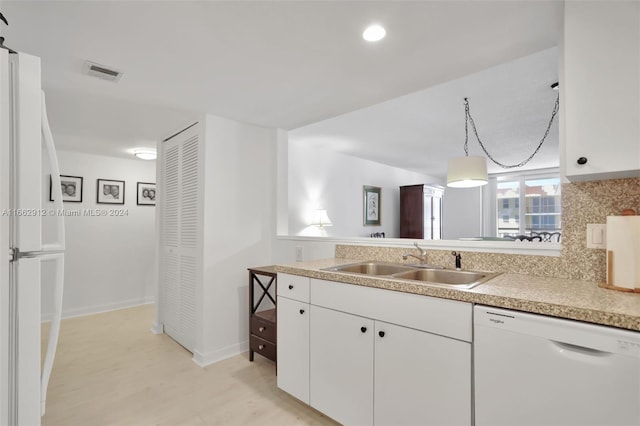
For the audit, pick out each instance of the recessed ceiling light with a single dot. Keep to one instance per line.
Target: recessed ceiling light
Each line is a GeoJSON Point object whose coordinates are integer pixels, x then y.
{"type": "Point", "coordinates": [374, 33]}
{"type": "Point", "coordinates": [145, 153]}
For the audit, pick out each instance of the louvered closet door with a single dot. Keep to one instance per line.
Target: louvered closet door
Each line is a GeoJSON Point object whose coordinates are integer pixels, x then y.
{"type": "Point", "coordinates": [180, 236]}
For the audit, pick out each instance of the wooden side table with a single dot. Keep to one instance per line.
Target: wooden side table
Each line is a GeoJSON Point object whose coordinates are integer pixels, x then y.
{"type": "Point", "coordinates": [262, 322]}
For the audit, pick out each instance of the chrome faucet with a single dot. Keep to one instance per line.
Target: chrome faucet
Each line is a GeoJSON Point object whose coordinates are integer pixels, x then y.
{"type": "Point", "coordinates": [422, 257]}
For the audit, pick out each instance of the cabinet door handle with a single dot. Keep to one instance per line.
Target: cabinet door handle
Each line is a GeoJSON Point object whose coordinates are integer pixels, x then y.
{"type": "Point", "coordinates": [261, 328]}
{"type": "Point", "coordinates": [301, 311]}
{"type": "Point", "coordinates": [363, 329]}
{"type": "Point", "coordinates": [290, 286]}
{"type": "Point", "coordinates": [381, 333]}
{"type": "Point", "coordinates": [261, 347]}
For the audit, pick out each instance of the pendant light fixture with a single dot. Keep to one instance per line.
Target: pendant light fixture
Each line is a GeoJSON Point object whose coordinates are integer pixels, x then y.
{"type": "Point", "coordinates": [471, 171]}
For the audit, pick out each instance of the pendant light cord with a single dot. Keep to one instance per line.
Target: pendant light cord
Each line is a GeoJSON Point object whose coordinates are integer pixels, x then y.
{"type": "Point", "coordinates": [469, 119]}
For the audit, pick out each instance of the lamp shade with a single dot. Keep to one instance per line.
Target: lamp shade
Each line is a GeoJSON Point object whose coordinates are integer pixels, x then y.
{"type": "Point", "coordinates": [467, 172]}
{"type": "Point", "coordinates": [321, 219]}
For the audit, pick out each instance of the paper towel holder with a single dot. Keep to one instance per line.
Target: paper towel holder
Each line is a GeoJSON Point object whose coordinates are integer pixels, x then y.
{"type": "Point", "coordinates": [608, 284]}
{"type": "Point", "coordinates": [624, 251]}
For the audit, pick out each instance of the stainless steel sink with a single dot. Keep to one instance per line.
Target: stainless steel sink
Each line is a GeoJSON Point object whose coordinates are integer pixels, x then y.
{"type": "Point", "coordinates": [458, 279]}
{"type": "Point", "coordinates": [371, 268]}
{"type": "Point", "coordinates": [440, 277]}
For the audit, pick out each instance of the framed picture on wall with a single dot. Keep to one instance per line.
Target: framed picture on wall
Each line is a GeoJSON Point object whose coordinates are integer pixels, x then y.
{"type": "Point", "coordinates": [146, 194]}
{"type": "Point", "coordinates": [110, 191]}
{"type": "Point", "coordinates": [71, 188]}
{"type": "Point", "coordinates": [371, 205]}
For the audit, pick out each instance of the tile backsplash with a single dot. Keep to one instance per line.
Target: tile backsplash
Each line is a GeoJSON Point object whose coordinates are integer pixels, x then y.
{"type": "Point", "coordinates": [582, 203]}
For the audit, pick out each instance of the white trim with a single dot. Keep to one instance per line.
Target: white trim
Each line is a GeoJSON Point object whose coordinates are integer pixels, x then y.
{"type": "Point", "coordinates": [542, 173]}
{"type": "Point", "coordinates": [98, 309]}
{"type": "Point", "coordinates": [5, 368]}
{"type": "Point", "coordinates": [157, 327]}
{"type": "Point", "coordinates": [204, 359]}
{"type": "Point", "coordinates": [505, 247]}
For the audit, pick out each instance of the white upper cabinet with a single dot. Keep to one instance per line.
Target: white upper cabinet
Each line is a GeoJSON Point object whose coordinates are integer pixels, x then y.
{"type": "Point", "coordinates": [601, 90]}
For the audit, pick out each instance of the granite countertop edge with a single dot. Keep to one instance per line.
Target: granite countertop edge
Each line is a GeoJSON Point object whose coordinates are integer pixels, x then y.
{"type": "Point", "coordinates": [561, 298]}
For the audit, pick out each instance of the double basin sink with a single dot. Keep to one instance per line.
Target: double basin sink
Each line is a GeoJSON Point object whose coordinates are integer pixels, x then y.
{"type": "Point", "coordinates": [421, 273]}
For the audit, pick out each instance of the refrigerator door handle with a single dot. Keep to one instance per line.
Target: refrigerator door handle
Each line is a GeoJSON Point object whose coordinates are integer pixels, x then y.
{"type": "Point", "coordinates": [55, 180]}
{"type": "Point", "coordinates": [54, 331]}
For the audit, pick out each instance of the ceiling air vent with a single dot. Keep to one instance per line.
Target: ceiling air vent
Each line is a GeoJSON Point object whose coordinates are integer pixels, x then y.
{"type": "Point", "coordinates": [101, 71]}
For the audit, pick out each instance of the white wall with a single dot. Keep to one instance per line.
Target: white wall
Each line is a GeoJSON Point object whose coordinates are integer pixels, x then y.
{"type": "Point", "coordinates": [320, 248]}
{"type": "Point", "coordinates": [240, 227]}
{"type": "Point", "coordinates": [110, 260]}
{"type": "Point", "coordinates": [333, 181]}
{"type": "Point", "coordinates": [462, 213]}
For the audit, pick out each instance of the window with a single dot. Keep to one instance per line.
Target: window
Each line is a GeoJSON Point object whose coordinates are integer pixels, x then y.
{"type": "Point", "coordinates": [535, 198]}
{"type": "Point", "coordinates": [542, 205]}
{"type": "Point", "coordinates": [508, 192]}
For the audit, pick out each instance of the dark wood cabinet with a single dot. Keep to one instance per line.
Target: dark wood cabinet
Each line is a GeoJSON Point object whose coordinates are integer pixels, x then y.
{"type": "Point", "coordinates": [262, 311]}
{"type": "Point", "coordinates": [421, 212]}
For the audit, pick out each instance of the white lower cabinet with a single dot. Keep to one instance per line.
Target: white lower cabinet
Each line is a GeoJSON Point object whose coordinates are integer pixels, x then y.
{"type": "Point", "coordinates": [341, 370]}
{"type": "Point", "coordinates": [366, 372]}
{"type": "Point", "coordinates": [378, 357]}
{"type": "Point", "coordinates": [420, 378]}
{"type": "Point", "coordinates": [293, 347]}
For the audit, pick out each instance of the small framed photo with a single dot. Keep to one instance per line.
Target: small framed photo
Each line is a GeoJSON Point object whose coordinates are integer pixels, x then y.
{"type": "Point", "coordinates": [371, 205]}
{"type": "Point", "coordinates": [146, 194]}
{"type": "Point", "coordinates": [71, 188]}
{"type": "Point", "coordinates": [110, 191]}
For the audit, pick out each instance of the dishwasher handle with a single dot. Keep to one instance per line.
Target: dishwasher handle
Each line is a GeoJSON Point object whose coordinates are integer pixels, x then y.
{"type": "Point", "coordinates": [579, 350]}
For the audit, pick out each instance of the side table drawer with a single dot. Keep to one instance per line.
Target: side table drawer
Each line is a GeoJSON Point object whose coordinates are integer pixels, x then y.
{"type": "Point", "coordinates": [261, 346]}
{"type": "Point", "coordinates": [263, 328]}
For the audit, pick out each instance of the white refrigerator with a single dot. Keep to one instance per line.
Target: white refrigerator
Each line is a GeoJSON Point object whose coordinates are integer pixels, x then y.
{"type": "Point", "coordinates": [25, 139]}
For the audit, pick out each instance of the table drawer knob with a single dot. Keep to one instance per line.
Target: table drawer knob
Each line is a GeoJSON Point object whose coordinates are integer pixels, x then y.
{"type": "Point", "coordinates": [363, 329]}
{"type": "Point", "coordinates": [261, 347]}
{"type": "Point", "coordinates": [290, 286]}
{"type": "Point", "coordinates": [301, 311]}
{"type": "Point", "coordinates": [262, 328]}
{"type": "Point", "coordinates": [381, 333]}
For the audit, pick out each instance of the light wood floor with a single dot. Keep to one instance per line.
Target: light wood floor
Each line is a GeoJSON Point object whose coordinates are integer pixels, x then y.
{"type": "Point", "coordinates": [111, 370]}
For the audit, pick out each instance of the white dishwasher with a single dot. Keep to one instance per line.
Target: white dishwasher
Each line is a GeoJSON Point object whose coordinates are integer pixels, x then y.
{"type": "Point", "coordinates": [536, 370]}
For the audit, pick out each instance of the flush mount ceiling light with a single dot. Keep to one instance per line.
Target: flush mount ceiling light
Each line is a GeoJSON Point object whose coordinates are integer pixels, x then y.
{"type": "Point", "coordinates": [145, 153]}
{"type": "Point", "coordinates": [374, 33]}
{"type": "Point", "coordinates": [471, 171]}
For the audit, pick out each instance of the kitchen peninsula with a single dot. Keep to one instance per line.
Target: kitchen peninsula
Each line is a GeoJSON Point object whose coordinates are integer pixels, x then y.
{"type": "Point", "coordinates": [375, 349]}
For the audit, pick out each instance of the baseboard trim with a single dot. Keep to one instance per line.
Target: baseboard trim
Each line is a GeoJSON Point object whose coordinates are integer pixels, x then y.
{"type": "Point", "coordinates": [204, 359]}
{"type": "Point", "coordinates": [157, 328]}
{"type": "Point", "coordinates": [97, 309]}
